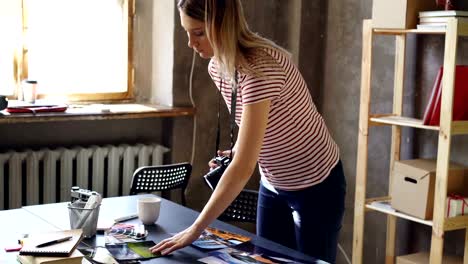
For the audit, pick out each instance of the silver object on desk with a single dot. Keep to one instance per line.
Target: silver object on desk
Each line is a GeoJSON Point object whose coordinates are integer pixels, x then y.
{"type": "Point", "coordinates": [84, 218]}
{"type": "Point", "coordinates": [84, 213]}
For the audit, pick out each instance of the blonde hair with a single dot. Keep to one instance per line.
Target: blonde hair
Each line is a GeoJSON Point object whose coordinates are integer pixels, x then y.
{"type": "Point", "coordinates": [234, 45]}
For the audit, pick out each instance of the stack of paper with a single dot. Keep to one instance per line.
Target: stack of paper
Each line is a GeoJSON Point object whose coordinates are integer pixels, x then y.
{"type": "Point", "coordinates": [75, 258]}
{"type": "Point", "coordinates": [438, 19]}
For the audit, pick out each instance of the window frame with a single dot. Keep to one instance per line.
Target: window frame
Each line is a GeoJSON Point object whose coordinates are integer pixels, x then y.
{"type": "Point", "coordinates": [21, 64]}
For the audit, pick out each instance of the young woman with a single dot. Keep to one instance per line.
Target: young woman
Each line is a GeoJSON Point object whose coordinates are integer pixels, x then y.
{"type": "Point", "coordinates": [302, 190]}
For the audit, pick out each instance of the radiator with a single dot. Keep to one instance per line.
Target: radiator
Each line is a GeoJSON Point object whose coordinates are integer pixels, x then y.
{"type": "Point", "coordinates": [46, 176]}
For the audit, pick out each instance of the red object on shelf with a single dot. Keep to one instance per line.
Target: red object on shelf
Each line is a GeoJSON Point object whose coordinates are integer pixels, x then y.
{"type": "Point", "coordinates": [37, 109]}
{"type": "Point", "coordinates": [460, 107]}
{"type": "Point", "coordinates": [432, 100]}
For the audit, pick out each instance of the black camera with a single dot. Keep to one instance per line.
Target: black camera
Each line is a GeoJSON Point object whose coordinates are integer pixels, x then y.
{"type": "Point", "coordinates": [3, 102]}
{"type": "Point", "coordinates": [212, 178]}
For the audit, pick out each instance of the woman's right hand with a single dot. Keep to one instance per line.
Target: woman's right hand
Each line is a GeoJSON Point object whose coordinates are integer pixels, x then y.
{"type": "Point", "coordinates": [225, 153]}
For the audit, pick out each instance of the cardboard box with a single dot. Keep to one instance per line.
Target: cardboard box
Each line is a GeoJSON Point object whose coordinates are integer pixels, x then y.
{"type": "Point", "coordinates": [416, 179]}
{"type": "Point", "coordinates": [423, 258]}
{"type": "Point", "coordinates": [399, 14]}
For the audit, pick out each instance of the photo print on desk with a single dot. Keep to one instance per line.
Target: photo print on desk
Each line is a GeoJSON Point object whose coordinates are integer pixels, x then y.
{"type": "Point", "coordinates": [213, 238]}
{"type": "Point", "coordinates": [252, 254]}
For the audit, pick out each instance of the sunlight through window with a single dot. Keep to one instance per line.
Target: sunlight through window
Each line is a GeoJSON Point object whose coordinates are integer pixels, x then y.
{"type": "Point", "coordinates": [77, 46]}
{"type": "Point", "coordinates": [10, 30]}
{"type": "Point", "coordinates": [74, 48]}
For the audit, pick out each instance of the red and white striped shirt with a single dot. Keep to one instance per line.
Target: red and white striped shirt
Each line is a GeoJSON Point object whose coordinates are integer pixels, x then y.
{"type": "Point", "coordinates": [297, 151]}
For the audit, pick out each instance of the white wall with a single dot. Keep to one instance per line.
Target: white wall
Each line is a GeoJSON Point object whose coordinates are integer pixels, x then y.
{"type": "Point", "coordinates": [153, 51]}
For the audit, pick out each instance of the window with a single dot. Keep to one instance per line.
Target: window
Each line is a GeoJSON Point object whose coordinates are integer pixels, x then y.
{"type": "Point", "coordinates": [10, 30]}
{"type": "Point", "coordinates": [75, 49]}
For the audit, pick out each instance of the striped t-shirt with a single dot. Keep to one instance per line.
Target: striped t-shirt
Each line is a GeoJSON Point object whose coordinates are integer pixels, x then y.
{"type": "Point", "coordinates": [297, 151]}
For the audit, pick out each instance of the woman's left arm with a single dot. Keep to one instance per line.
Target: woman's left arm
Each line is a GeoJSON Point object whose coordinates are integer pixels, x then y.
{"type": "Point", "coordinates": [252, 129]}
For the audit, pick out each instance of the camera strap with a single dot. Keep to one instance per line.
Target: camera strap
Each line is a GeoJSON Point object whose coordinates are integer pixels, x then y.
{"type": "Point", "coordinates": [232, 115]}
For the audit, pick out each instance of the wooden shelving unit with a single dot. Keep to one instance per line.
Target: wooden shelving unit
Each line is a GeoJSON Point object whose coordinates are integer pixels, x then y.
{"type": "Point", "coordinates": [440, 224]}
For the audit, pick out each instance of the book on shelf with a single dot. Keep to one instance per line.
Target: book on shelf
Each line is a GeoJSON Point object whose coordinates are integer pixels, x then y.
{"type": "Point", "coordinates": [443, 13]}
{"type": "Point", "coordinates": [460, 108]}
{"type": "Point", "coordinates": [76, 257]}
{"type": "Point", "coordinates": [432, 26]}
{"type": "Point", "coordinates": [213, 238]}
{"type": "Point", "coordinates": [425, 20]}
{"type": "Point", "coordinates": [436, 22]}
{"type": "Point", "coordinates": [31, 245]}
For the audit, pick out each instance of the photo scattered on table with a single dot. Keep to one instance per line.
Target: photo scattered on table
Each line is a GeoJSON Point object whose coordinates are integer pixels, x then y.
{"type": "Point", "coordinates": [123, 233]}
{"type": "Point", "coordinates": [212, 238]}
{"type": "Point", "coordinates": [132, 251]}
{"type": "Point", "coordinates": [250, 253]}
{"type": "Point", "coordinates": [97, 255]}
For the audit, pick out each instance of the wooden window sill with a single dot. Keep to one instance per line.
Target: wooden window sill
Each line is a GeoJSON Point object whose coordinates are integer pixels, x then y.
{"type": "Point", "coordinates": [99, 112]}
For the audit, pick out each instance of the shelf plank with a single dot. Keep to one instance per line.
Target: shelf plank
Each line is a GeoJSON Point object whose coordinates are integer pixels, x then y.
{"type": "Point", "coordinates": [462, 30]}
{"type": "Point", "coordinates": [385, 199]}
{"type": "Point", "coordinates": [99, 112]}
{"type": "Point", "coordinates": [423, 257]}
{"type": "Point", "coordinates": [455, 223]}
{"type": "Point", "coordinates": [384, 31]}
{"type": "Point", "coordinates": [400, 121]}
{"type": "Point", "coordinates": [383, 206]}
{"type": "Point", "coordinates": [460, 127]}
{"type": "Point", "coordinates": [463, 27]}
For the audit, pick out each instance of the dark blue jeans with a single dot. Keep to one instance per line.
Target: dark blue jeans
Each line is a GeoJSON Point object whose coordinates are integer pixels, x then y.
{"type": "Point", "coordinates": [307, 220]}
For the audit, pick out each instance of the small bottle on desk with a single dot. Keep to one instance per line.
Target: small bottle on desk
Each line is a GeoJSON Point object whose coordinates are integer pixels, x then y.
{"type": "Point", "coordinates": [29, 88]}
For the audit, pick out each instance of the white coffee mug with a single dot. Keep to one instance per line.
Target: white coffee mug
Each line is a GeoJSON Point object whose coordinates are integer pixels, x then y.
{"type": "Point", "coordinates": [148, 209]}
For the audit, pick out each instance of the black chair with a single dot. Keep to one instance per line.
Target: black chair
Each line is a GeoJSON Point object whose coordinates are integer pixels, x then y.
{"type": "Point", "coordinates": [243, 208]}
{"type": "Point", "coordinates": [161, 178]}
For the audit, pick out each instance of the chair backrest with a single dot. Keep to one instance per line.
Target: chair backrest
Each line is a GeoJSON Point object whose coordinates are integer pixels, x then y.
{"type": "Point", "coordinates": [243, 208]}
{"type": "Point", "coordinates": [160, 178]}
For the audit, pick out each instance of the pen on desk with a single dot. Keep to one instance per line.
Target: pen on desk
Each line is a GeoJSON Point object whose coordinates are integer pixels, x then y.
{"type": "Point", "coordinates": [125, 218]}
{"type": "Point", "coordinates": [56, 241]}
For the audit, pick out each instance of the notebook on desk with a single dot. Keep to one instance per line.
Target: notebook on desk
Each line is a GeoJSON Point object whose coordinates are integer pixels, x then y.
{"type": "Point", "coordinates": [62, 249]}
